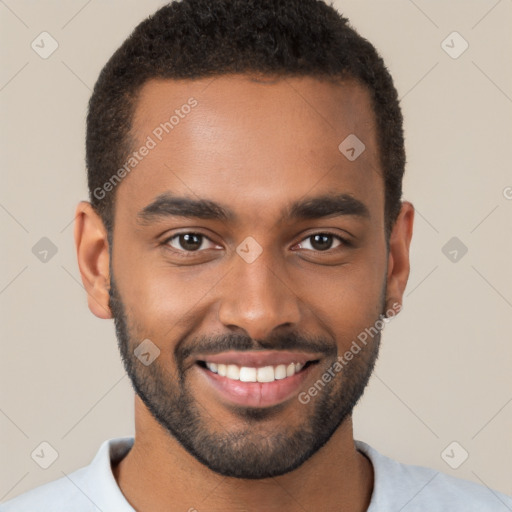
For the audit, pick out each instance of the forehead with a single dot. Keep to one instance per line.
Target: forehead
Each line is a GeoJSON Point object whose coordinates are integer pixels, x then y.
{"type": "Point", "coordinates": [255, 144]}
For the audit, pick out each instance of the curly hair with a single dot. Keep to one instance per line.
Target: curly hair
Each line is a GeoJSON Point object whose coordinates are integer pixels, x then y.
{"type": "Point", "coordinates": [193, 39]}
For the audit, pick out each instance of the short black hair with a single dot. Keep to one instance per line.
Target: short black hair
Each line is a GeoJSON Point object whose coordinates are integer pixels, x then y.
{"type": "Point", "coordinates": [193, 39]}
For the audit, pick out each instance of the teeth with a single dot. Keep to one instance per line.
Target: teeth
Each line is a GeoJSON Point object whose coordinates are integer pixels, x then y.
{"type": "Point", "coordinates": [263, 374]}
{"type": "Point", "coordinates": [248, 374]}
{"type": "Point", "coordinates": [280, 372]}
{"type": "Point", "coordinates": [233, 372]}
{"type": "Point", "coordinates": [266, 374]}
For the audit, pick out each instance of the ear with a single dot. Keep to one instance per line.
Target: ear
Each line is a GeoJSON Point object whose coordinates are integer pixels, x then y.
{"type": "Point", "coordinates": [91, 244]}
{"type": "Point", "coordinates": [398, 259]}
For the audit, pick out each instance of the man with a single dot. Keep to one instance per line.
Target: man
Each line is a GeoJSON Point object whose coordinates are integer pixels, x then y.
{"type": "Point", "coordinates": [245, 160]}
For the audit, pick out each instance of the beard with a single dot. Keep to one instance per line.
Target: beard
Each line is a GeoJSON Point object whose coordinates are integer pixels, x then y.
{"type": "Point", "coordinates": [244, 452]}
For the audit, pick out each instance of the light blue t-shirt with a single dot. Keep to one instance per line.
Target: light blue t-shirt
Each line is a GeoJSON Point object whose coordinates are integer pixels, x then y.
{"type": "Point", "coordinates": [397, 488]}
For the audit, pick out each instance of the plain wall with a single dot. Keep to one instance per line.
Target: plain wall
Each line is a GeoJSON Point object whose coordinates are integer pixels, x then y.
{"type": "Point", "coordinates": [444, 372]}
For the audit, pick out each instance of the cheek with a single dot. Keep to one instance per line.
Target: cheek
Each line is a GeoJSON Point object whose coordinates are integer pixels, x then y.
{"type": "Point", "coordinates": [349, 298]}
{"type": "Point", "coordinates": [165, 301]}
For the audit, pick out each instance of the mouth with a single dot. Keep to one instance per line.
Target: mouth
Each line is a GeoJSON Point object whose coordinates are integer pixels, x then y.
{"type": "Point", "coordinates": [256, 379]}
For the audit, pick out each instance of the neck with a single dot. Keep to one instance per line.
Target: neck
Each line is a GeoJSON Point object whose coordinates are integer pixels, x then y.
{"type": "Point", "coordinates": [159, 474]}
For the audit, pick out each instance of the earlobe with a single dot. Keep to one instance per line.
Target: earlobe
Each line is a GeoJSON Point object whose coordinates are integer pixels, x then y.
{"type": "Point", "coordinates": [91, 243]}
{"type": "Point", "coordinates": [398, 260]}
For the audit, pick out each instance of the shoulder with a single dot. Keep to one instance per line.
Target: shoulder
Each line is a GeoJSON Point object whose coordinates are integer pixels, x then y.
{"type": "Point", "coordinates": [88, 489]}
{"type": "Point", "coordinates": [417, 488]}
{"type": "Point", "coordinates": [56, 496]}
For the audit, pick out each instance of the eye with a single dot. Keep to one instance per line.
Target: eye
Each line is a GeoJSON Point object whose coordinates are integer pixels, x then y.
{"type": "Point", "coordinates": [322, 242]}
{"type": "Point", "coordinates": [189, 242]}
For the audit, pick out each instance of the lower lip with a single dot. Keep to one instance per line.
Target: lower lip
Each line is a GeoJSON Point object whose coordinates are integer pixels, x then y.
{"type": "Point", "coordinates": [256, 394]}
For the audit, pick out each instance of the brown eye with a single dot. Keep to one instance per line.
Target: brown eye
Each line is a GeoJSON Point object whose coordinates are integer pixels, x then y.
{"type": "Point", "coordinates": [188, 242]}
{"type": "Point", "coordinates": [322, 242]}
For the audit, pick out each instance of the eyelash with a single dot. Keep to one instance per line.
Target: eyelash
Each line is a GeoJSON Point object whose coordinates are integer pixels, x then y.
{"type": "Point", "coordinates": [187, 254]}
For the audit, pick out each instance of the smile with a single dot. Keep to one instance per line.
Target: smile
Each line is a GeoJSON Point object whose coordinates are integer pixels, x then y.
{"type": "Point", "coordinates": [248, 374]}
{"type": "Point", "coordinates": [256, 379]}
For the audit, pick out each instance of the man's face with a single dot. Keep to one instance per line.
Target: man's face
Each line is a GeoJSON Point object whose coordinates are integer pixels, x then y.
{"type": "Point", "coordinates": [267, 284]}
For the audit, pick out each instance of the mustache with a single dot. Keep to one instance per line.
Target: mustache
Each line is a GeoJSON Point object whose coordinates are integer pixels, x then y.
{"type": "Point", "coordinates": [212, 345]}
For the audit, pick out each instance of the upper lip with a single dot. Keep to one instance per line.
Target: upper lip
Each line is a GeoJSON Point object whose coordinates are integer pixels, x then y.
{"type": "Point", "coordinates": [259, 358]}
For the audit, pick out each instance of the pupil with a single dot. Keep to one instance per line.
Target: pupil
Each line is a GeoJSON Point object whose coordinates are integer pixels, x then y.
{"type": "Point", "coordinates": [190, 241]}
{"type": "Point", "coordinates": [321, 242]}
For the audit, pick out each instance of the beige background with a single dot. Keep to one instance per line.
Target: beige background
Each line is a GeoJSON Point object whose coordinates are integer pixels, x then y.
{"type": "Point", "coordinates": [445, 368]}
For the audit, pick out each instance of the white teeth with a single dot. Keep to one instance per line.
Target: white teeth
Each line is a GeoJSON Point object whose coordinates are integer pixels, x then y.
{"type": "Point", "coordinates": [265, 374]}
{"type": "Point", "coordinates": [262, 374]}
{"type": "Point", "coordinates": [233, 372]}
{"type": "Point", "coordinates": [247, 374]}
{"type": "Point", "coordinates": [280, 372]}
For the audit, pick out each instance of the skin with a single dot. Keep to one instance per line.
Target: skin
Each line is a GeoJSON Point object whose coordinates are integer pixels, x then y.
{"type": "Point", "coordinates": [254, 146]}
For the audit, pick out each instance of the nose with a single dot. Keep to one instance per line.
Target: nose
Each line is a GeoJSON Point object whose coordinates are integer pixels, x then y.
{"type": "Point", "coordinates": [257, 297]}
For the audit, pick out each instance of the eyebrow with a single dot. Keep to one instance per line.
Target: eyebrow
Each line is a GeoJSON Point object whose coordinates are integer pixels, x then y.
{"type": "Point", "coordinates": [324, 206]}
